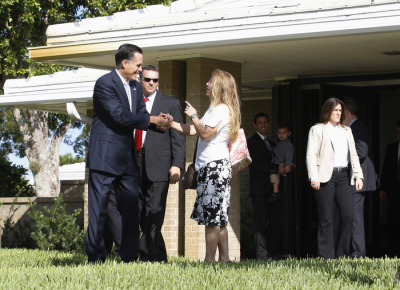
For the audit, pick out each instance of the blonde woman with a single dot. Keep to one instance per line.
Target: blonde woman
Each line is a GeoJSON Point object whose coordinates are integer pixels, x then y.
{"type": "Point", "coordinates": [219, 125]}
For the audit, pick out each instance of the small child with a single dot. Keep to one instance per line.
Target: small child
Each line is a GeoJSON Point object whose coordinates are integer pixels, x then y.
{"type": "Point", "coordinates": [283, 154]}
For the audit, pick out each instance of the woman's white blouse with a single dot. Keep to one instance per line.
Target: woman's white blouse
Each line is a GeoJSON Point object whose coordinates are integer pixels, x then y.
{"type": "Point", "coordinates": [341, 146]}
{"type": "Point", "coordinates": [216, 147]}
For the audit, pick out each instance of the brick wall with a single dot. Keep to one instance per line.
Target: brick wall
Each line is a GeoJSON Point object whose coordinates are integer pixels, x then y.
{"type": "Point", "coordinates": [72, 187]}
{"type": "Point", "coordinates": [173, 83]}
{"type": "Point", "coordinates": [19, 211]}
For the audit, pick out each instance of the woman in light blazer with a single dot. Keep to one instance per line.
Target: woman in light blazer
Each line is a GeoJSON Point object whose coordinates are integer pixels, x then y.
{"type": "Point", "coordinates": [333, 166]}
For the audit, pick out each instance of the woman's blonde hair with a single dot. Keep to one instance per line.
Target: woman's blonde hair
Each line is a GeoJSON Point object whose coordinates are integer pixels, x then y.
{"type": "Point", "coordinates": [224, 91]}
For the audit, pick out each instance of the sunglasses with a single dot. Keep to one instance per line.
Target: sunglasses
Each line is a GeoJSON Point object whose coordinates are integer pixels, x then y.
{"type": "Point", "coordinates": [147, 80]}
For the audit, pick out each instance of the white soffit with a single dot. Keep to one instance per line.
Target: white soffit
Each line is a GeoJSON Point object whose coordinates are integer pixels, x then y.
{"type": "Point", "coordinates": [52, 92]}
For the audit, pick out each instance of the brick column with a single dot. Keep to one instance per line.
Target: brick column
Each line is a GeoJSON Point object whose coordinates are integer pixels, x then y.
{"type": "Point", "coordinates": [198, 73]}
{"type": "Point", "coordinates": [173, 83]}
{"type": "Point", "coordinates": [89, 113]}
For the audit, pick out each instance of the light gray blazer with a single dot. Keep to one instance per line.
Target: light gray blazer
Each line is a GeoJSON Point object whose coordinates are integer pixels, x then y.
{"type": "Point", "coordinates": [321, 154]}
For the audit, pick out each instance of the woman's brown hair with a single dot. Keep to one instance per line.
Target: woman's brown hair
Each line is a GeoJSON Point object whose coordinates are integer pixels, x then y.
{"type": "Point", "coordinates": [329, 106]}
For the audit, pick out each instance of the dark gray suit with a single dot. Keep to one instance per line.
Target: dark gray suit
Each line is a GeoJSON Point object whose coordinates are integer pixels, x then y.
{"type": "Point", "coordinates": [364, 150]}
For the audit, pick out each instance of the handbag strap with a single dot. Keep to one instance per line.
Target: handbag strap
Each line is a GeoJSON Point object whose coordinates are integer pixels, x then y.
{"type": "Point", "coordinates": [195, 151]}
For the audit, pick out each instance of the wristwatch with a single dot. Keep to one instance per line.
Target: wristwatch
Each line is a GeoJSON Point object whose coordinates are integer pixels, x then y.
{"type": "Point", "coordinates": [194, 116]}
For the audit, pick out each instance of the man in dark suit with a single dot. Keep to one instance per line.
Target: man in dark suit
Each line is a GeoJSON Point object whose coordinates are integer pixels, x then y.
{"type": "Point", "coordinates": [390, 189]}
{"type": "Point", "coordinates": [260, 148]}
{"type": "Point", "coordinates": [364, 150]}
{"type": "Point", "coordinates": [118, 108]}
{"type": "Point", "coordinates": [161, 159]}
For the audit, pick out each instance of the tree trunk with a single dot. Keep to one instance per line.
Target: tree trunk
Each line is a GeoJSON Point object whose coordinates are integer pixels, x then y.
{"type": "Point", "coordinates": [43, 158]}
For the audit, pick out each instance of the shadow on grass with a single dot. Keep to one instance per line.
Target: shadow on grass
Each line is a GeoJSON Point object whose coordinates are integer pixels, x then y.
{"type": "Point", "coordinates": [78, 259]}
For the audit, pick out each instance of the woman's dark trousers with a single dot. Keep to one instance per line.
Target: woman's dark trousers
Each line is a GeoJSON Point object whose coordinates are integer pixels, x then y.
{"type": "Point", "coordinates": [336, 192]}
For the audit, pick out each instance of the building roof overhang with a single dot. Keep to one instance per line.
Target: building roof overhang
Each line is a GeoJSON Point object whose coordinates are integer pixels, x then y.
{"type": "Point", "coordinates": [270, 39]}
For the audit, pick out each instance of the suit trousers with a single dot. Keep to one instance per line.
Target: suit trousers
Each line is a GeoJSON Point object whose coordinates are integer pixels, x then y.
{"type": "Point", "coordinates": [127, 190]}
{"type": "Point", "coordinates": [267, 236]}
{"type": "Point", "coordinates": [393, 221]}
{"type": "Point", "coordinates": [336, 192]}
{"type": "Point", "coordinates": [113, 227]}
{"type": "Point", "coordinates": [152, 204]}
{"type": "Point", "coordinates": [357, 246]}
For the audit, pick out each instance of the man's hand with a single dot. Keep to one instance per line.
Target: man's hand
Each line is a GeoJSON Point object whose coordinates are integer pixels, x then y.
{"type": "Point", "coordinates": [382, 195]}
{"type": "Point", "coordinates": [288, 168]}
{"type": "Point", "coordinates": [161, 123]}
{"type": "Point", "coordinates": [167, 116]}
{"type": "Point", "coordinates": [175, 174]}
{"type": "Point", "coordinates": [359, 184]}
{"type": "Point", "coordinates": [282, 168]}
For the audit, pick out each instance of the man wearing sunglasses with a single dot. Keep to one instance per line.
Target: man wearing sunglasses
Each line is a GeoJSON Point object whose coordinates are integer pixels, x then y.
{"type": "Point", "coordinates": [160, 159]}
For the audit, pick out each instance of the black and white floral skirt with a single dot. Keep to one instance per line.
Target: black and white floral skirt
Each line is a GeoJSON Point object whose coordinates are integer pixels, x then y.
{"type": "Point", "coordinates": [213, 193]}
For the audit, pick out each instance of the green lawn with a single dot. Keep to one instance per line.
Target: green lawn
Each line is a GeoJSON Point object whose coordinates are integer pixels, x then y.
{"type": "Point", "coordinates": [34, 269]}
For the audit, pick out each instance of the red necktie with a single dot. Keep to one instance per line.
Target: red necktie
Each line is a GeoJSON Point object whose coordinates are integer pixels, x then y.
{"type": "Point", "coordinates": [138, 133]}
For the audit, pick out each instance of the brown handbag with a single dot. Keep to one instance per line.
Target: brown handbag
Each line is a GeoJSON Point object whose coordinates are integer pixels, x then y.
{"type": "Point", "coordinates": [190, 176]}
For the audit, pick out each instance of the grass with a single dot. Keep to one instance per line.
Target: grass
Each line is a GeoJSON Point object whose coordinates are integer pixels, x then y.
{"type": "Point", "coordinates": [34, 269]}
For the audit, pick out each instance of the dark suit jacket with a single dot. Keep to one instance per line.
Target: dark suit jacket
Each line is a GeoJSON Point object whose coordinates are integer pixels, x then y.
{"type": "Point", "coordinates": [111, 138]}
{"type": "Point", "coordinates": [261, 166]}
{"type": "Point", "coordinates": [364, 151]}
{"type": "Point", "coordinates": [389, 171]}
{"type": "Point", "coordinates": [164, 149]}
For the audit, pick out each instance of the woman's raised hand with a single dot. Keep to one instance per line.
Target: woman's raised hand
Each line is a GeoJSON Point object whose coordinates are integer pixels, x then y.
{"type": "Point", "coordinates": [189, 110]}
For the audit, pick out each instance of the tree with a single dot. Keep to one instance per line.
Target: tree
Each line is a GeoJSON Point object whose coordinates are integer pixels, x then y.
{"type": "Point", "coordinates": [69, 159]}
{"type": "Point", "coordinates": [12, 181]}
{"type": "Point", "coordinates": [23, 24]}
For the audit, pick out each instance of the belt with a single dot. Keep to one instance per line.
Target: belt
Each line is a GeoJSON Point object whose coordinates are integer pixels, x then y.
{"type": "Point", "coordinates": [141, 150]}
{"type": "Point", "coordinates": [340, 169]}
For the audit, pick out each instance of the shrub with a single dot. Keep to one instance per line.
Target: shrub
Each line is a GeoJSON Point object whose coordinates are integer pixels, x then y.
{"type": "Point", "coordinates": [16, 235]}
{"type": "Point", "coordinates": [12, 181]}
{"type": "Point", "coordinates": [56, 230]}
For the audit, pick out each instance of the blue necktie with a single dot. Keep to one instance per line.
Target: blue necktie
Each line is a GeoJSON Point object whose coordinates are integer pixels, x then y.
{"type": "Point", "coordinates": [267, 144]}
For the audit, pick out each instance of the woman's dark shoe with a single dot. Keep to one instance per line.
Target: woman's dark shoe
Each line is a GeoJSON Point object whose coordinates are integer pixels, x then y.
{"type": "Point", "coordinates": [274, 196]}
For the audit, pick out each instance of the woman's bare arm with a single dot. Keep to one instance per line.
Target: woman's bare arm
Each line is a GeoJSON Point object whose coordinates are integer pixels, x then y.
{"type": "Point", "coordinates": [185, 129]}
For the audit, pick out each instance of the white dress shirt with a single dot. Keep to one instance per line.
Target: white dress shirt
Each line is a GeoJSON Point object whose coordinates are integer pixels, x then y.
{"type": "Point", "coordinates": [149, 106]}
{"type": "Point", "coordinates": [340, 145]}
{"type": "Point", "coordinates": [127, 89]}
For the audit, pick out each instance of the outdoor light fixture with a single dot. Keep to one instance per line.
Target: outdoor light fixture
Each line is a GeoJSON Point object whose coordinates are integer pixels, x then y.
{"type": "Point", "coordinates": [394, 52]}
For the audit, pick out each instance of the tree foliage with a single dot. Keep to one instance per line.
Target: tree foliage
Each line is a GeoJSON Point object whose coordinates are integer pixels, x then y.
{"type": "Point", "coordinates": [26, 132]}
{"type": "Point", "coordinates": [12, 181]}
{"type": "Point", "coordinates": [69, 159]}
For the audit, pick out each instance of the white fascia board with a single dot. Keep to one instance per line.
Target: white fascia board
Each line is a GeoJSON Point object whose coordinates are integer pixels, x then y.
{"type": "Point", "coordinates": [93, 27]}
{"type": "Point", "coordinates": [381, 18]}
{"type": "Point", "coordinates": [47, 97]}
